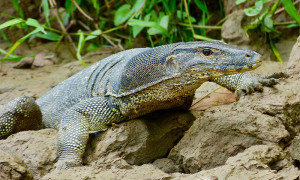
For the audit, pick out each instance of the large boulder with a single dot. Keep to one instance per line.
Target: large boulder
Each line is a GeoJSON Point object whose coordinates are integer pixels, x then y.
{"type": "Point", "coordinates": [270, 117]}
{"type": "Point", "coordinates": [140, 141]}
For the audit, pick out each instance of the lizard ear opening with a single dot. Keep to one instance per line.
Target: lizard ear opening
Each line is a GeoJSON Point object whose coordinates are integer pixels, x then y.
{"type": "Point", "coordinates": [171, 64]}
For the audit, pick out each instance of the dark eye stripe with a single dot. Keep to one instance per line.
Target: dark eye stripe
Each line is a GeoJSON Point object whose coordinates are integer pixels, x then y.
{"type": "Point", "coordinates": [207, 52]}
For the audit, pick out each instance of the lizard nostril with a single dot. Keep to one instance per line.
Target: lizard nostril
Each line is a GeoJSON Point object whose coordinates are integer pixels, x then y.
{"type": "Point", "coordinates": [247, 55]}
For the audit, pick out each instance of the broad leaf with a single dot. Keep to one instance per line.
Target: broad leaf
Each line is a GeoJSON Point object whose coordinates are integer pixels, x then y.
{"type": "Point", "coordinates": [122, 14]}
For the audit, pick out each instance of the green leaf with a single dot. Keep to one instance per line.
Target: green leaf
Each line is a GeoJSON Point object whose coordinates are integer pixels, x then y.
{"type": "Point", "coordinates": [46, 11]}
{"type": "Point", "coordinates": [275, 51]}
{"type": "Point", "coordinates": [274, 7]}
{"type": "Point", "coordinates": [292, 25]}
{"type": "Point", "coordinates": [256, 23]}
{"type": "Point", "coordinates": [3, 51]}
{"type": "Point", "coordinates": [13, 58]}
{"type": "Point", "coordinates": [5, 38]}
{"type": "Point", "coordinates": [268, 22]}
{"type": "Point", "coordinates": [291, 10]}
{"type": "Point", "coordinates": [69, 6]}
{"type": "Point", "coordinates": [166, 5]}
{"type": "Point", "coordinates": [122, 14]}
{"type": "Point", "coordinates": [18, 8]}
{"type": "Point", "coordinates": [204, 38]}
{"type": "Point", "coordinates": [93, 35]}
{"type": "Point", "coordinates": [237, 2]}
{"type": "Point", "coordinates": [136, 30]}
{"type": "Point", "coordinates": [10, 23]}
{"type": "Point", "coordinates": [254, 11]}
{"type": "Point", "coordinates": [164, 22]}
{"type": "Point", "coordinates": [138, 4]}
{"type": "Point", "coordinates": [34, 23]}
{"type": "Point", "coordinates": [22, 40]}
{"type": "Point", "coordinates": [80, 46]}
{"type": "Point", "coordinates": [136, 22]}
{"type": "Point", "coordinates": [52, 36]}
{"type": "Point", "coordinates": [92, 47]}
{"type": "Point", "coordinates": [182, 15]}
{"type": "Point", "coordinates": [201, 5]}
{"type": "Point", "coordinates": [96, 5]}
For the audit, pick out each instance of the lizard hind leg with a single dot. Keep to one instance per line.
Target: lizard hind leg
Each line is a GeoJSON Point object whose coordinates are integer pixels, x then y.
{"type": "Point", "coordinates": [93, 114]}
{"type": "Point", "coordinates": [18, 115]}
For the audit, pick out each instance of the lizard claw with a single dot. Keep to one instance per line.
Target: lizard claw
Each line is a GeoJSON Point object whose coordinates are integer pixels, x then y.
{"type": "Point", "coordinates": [252, 83]}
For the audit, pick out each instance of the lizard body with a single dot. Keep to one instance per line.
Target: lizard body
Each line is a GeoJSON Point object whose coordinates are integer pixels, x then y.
{"type": "Point", "coordinates": [130, 84]}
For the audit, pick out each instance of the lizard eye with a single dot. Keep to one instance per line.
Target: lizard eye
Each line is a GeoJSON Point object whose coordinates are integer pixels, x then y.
{"type": "Point", "coordinates": [207, 52]}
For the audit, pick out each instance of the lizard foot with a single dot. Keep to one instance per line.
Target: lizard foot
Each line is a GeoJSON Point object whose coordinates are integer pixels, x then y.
{"type": "Point", "coordinates": [67, 163]}
{"type": "Point", "coordinates": [252, 83]}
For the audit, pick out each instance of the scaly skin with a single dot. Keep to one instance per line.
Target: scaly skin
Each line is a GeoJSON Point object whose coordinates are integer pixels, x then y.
{"type": "Point", "coordinates": [133, 83]}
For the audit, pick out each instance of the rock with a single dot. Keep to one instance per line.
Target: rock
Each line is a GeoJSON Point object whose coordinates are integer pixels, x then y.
{"type": "Point", "coordinates": [167, 165]}
{"type": "Point", "coordinates": [134, 142]}
{"type": "Point", "coordinates": [293, 66]}
{"type": "Point", "coordinates": [295, 149]}
{"type": "Point", "coordinates": [146, 171]}
{"type": "Point", "coordinates": [25, 63]}
{"type": "Point", "coordinates": [232, 30]}
{"type": "Point", "coordinates": [212, 139]}
{"type": "Point", "coordinates": [258, 156]}
{"type": "Point", "coordinates": [140, 141]}
{"type": "Point", "coordinates": [254, 163]}
{"type": "Point", "coordinates": [37, 149]}
{"type": "Point", "coordinates": [11, 167]}
{"type": "Point", "coordinates": [224, 131]}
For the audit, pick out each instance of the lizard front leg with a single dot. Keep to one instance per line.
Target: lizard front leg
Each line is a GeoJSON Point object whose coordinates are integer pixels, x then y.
{"type": "Point", "coordinates": [94, 114]}
{"type": "Point", "coordinates": [245, 83]}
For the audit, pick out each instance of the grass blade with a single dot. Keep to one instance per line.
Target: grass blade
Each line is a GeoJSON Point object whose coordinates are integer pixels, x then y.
{"type": "Point", "coordinates": [204, 38]}
{"type": "Point", "coordinates": [46, 11]}
{"type": "Point", "coordinates": [22, 40]}
{"type": "Point", "coordinates": [80, 46]}
{"type": "Point", "coordinates": [276, 53]}
{"type": "Point", "coordinates": [5, 38]}
{"type": "Point", "coordinates": [291, 10]}
{"type": "Point", "coordinates": [10, 23]}
{"type": "Point", "coordinates": [136, 22]}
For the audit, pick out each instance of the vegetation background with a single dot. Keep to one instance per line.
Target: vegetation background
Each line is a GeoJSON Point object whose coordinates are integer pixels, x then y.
{"type": "Point", "coordinates": [86, 25]}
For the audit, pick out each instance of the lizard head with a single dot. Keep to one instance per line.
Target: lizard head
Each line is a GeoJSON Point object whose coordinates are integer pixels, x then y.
{"type": "Point", "coordinates": [180, 64]}
{"type": "Point", "coordinates": [211, 59]}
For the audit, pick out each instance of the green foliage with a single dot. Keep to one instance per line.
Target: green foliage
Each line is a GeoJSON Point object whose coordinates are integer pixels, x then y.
{"type": "Point", "coordinates": [166, 21]}
{"type": "Point", "coordinates": [264, 21]}
{"type": "Point", "coordinates": [92, 22]}
{"type": "Point", "coordinates": [291, 10]}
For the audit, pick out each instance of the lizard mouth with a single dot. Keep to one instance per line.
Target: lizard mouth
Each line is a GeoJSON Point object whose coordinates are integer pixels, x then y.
{"type": "Point", "coordinates": [253, 66]}
{"type": "Point", "coordinates": [226, 69]}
